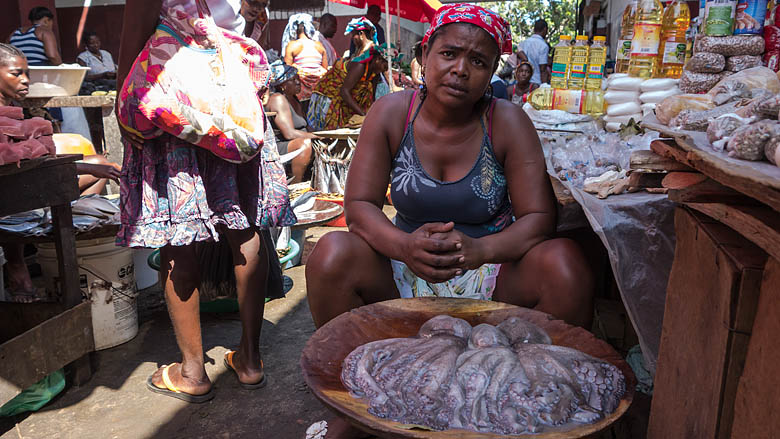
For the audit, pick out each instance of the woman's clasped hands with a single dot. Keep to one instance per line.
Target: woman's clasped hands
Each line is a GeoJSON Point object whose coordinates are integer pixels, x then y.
{"type": "Point", "coordinates": [437, 252]}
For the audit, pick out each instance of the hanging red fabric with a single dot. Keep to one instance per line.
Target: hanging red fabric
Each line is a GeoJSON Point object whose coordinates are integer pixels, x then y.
{"type": "Point", "coordinates": [414, 10]}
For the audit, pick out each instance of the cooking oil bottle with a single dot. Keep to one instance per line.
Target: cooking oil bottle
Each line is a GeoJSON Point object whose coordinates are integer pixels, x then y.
{"type": "Point", "coordinates": [623, 54]}
{"type": "Point", "coordinates": [561, 62]}
{"type": "Point", "coordinates": [671, 54]}
{"type": "Point", "coordinates": [596, 60]}
{"type": "Point", "coordinates": [579, 63]}
{"type": "Point", "coordinates": [647, 38]}
{"type": "Point", "coordinates": [573, 101]}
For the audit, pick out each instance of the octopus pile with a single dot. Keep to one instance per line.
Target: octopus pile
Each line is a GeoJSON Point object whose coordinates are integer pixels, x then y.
{"type": "Point", "coordinates": [504, 379]}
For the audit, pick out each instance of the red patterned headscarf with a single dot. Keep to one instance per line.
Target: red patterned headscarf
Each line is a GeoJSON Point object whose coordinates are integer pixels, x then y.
{"type": "Point", "coordinates": [488, 20]}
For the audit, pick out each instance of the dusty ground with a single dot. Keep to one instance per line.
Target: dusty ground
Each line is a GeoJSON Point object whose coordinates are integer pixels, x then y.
{"type": "Point", "coordinates": [116, 404]}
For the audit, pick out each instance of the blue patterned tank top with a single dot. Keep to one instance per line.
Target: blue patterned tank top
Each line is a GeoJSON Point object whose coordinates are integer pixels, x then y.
{"type": "Point", "coordinates": [478, 203]}
{"type": "Point", "coordinates": [30, 45]}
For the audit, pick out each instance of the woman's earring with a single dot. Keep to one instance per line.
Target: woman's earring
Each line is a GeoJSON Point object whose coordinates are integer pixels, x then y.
{"type": "Point", "coordinates": [489, 91]}
{"type": "Point", "coordinates": [423, 87]}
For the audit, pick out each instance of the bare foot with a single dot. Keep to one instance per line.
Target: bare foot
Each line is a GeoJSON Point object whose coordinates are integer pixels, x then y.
{"type": "Point", "coordinates": [248, 372]}
{"type": "Point", "coordinates": [183, 380]}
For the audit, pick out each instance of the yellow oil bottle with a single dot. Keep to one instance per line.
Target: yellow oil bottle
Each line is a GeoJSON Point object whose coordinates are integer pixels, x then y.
{"type": "Point", "coordinates": [573, 101]}
{"type": "Point", "coordinates": [579, 63]}
{"type": "Point", "coordinates": [671, 53]}
{"type": "Point", "coordinates": [596, 60]}
{"type": "Point", "coordinates": [647, 38]}
{"type": "Point", "coordinates": [623, 54]}
{"type": "Point", "coordinates": [561, 62]}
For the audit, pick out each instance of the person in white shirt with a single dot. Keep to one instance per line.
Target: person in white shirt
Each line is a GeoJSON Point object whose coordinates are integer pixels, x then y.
{"type": "Point", "coordinates": [536, 52]}
{"type": "Point", "coordinates": [101, 64]}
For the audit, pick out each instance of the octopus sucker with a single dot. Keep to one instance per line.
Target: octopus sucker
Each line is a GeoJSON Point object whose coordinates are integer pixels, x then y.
{"type": "Point", "coordinates": [505, 379]}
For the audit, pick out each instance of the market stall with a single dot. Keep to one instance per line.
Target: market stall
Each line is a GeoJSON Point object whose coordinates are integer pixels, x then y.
{"type": "Point", "coordinates": [45, 336]}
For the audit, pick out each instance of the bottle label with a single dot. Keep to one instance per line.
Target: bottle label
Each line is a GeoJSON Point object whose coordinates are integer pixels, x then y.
{"type": "Point", "coordinates": [647, 37]}
{"type": "Point", "coordinates": [570, 101]}
{"type": "Point", "coordinates": [559, 70]}
{"type": "Point", "coordinates": [674, 53]}
{"type": "Point", "coordinates": [623, 50]}
{"type": "Point", "coordinates": [720, 17]}
{"type": "Point", "coordinates": [578, 71]}
{"type": "Point", "coordinates": [595, 71]}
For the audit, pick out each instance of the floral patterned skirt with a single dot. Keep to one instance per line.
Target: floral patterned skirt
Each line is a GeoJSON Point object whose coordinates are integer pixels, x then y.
{"type": "Point", "coordinates": [172, 192]}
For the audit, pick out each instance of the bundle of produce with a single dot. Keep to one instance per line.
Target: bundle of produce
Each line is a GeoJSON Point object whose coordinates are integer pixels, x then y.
{"type": "Point", "coordinates": [22, 139]}
{"type": "Point", "coordinates": [717, 57]}
{"type": "Point", "coordinates": [747, 88]}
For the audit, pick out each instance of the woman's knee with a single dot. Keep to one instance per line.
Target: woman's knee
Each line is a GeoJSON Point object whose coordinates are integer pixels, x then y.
{"type": "Point", "coordinates": [563, 259]}
{"type": "Point", "coordinates": [333, 255]}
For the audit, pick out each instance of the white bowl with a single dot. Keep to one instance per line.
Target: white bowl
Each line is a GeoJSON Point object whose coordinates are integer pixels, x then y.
{"type": "Point", "coordinates": [62, 80]}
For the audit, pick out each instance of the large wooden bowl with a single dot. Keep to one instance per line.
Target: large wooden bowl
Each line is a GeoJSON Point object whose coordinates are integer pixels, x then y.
{"type": "Point", "coordinates": [325, 350]}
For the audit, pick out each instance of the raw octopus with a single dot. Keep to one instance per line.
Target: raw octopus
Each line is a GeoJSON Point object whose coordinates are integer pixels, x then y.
{"type": "Point", "coordinates": [505, 379]}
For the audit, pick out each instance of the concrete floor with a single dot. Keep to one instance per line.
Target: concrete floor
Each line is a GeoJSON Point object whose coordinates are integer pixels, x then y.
{"type": "Point", "coordinates": [116, 404]}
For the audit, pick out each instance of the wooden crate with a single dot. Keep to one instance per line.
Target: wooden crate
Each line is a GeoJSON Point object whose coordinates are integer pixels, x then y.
{"type": "Point", "coordinates": [711, 302]}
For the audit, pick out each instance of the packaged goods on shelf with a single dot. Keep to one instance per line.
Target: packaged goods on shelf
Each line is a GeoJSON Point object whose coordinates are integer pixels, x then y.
{"type": "Point", "coordinates": [739, 63]}
{"type": "Point", "coordinates": [731, 45]}
{"type": "Point", "coordinates": [706, 62]}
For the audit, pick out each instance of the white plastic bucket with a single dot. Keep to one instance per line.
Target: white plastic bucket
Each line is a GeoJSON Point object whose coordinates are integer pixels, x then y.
{"type": "Point", "coordinates": [145, 276]}
{"type": "Point", "coordinates": [106, 277]}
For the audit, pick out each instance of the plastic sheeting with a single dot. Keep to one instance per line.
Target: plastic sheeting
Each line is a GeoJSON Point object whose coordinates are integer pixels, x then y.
{"type": "Point", "coordinates": [638, 231]}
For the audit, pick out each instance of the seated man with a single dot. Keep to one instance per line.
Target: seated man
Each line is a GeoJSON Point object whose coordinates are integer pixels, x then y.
{"type": "Point", "coordinates": [476, 211]}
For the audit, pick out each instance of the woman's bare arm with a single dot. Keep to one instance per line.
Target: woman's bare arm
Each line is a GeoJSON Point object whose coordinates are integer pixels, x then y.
{"type": "Point", "coordinates": [517, 147]}
{"type": "Point", "coordinates": [50, 46]}
{"type": "Point", "coordinates": [369, 174]}
{"type": "Point", "coordinates": [354, 73]}
{"type": "Point", "coordinates": [278, 103]}
{"type": "Point", "coordinates": [140, 19]}
{"type": "Point", "coordinates": [324, 53]}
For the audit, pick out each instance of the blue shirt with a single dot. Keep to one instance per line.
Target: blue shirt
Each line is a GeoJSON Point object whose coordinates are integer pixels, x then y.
{"type": "Point", "coordinates": [499, 87]}
{"type": "Point", "coordinates": [537, 51]}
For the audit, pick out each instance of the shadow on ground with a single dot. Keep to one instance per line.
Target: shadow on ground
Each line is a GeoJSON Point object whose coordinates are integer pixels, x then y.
{"type": "Point", "coordinates": [116, 404]}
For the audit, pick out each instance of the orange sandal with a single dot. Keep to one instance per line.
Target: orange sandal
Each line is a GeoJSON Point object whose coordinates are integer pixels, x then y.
{"type": "Point", "coordinates": [249, 386]}
{"type": "Point", "coordinates": [172, 391]}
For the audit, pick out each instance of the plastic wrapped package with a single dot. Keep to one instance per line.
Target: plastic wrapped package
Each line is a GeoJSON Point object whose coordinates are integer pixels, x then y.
{"type": "Point", "coordinates": [612, 126]}
{"type": "Point", "coordinates": [658, 84]}
{"type": "Point", "coordinates": [706, 62]}
{"type": "Point", "coordinates": [771, 38]}
{"type": "Point", "coordinates": [672, 106]}
{"type": "Point", "coordinates": [620, 96]}
{"type": "Point", "coordinates": [748, 142]}
{"type": "Point", "coordinates": [692, 82]}
{"type": "Point", "coordinates": [771, 60]}
{"type": "Point", "coordinates": [655, 97]}
{"type": "Point", "coordinates": [741, 85]}
{"type": "Point", "coordinates": [692, 120]}
{"type": "Point", "coordinates": [771, 150]}
{"type": "Point", "coordinates": [742, 62]}
{"type": "Point", "coordinates": [769, 108]}
{"type": "Point", "coordinates": [625, 83]}
{"type": "Point", "coordinates": [623, 109]}
{"type": "Point", "coordinates": [731, 45]}
{"type": "Point", "coordinates": [750, 107]}
{"type": "Point", "coordinates": [648, 109]}
{"type": "Point", "coordinates": [724, 125]}
{"type": "Point", "coordinates": [622, 120]}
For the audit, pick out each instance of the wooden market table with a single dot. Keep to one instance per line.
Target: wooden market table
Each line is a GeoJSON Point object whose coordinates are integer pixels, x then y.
{"type": "Point", "coordinates": [40, 338]}
{"type": "Point", "coordinates": [717, 367]}
{"type": "Point", "coordinates": [111, 136]}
